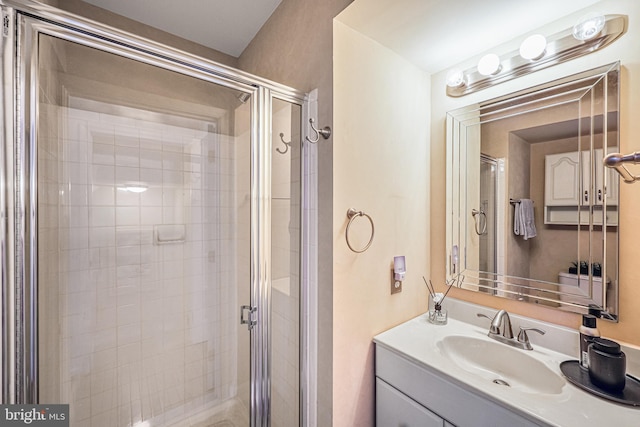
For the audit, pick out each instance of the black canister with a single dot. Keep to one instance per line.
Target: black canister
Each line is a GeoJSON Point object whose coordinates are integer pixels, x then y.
{"type": "Point", "coordinates": [607, 365]}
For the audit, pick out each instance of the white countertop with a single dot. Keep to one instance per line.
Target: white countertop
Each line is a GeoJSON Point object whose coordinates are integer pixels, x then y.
{"type": "Point", "coordinates": [417, 339]}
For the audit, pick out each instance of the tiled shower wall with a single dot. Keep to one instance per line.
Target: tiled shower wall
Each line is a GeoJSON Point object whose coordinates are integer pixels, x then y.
{"type": "Point", "coordinates": [135, 327]}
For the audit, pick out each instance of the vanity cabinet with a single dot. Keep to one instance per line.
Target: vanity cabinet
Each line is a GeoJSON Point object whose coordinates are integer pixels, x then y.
{"type": "Point", "coordinates": [568, 192]}
{"type": "Point", "coordinates": [413, 395]}
{"type": "Point", "coordinates": [395, 409]}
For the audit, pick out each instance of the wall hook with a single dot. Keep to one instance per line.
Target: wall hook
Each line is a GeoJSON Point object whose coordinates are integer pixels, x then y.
{"type": "Point", "coordinates": [286, 145]}
{"type": "Point", "coordinates": [325, 132]}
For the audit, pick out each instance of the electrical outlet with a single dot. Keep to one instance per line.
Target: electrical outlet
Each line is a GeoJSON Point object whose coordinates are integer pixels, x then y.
{"type": "Point", "coordinates": [396, 285]}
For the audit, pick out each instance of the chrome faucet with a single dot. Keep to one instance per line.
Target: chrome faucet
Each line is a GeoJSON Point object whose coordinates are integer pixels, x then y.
{"type": "Point", "coordinates": [500, 330]}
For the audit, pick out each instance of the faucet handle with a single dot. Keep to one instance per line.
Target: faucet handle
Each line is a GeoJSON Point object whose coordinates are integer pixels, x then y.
{"type": "Point", "coordinates": [524, 338]}
{"type": "Point", "coordinates": [493, 329]}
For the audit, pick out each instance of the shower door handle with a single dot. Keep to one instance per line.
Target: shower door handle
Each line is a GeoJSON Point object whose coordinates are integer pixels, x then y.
{"type": "Point", "coordinates": [249, 321]}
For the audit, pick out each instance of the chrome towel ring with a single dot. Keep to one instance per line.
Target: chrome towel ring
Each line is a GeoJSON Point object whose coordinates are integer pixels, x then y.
{"type": "Point", "coordinates": [352, 214]}
{"type": "Point", "coordinates": [480, 219]}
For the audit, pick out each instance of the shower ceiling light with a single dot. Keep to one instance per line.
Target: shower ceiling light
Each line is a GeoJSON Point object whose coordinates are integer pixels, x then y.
{"type": "Point", "coordinates": [588, 27]}
{"type": "Point", "coordinates": [533, 47]}
{"type": "Point", "coordinates": [589, 35]}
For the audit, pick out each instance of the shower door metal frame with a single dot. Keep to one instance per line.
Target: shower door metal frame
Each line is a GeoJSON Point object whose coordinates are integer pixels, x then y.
{"type": "Point", "coordinates": [23, 21]}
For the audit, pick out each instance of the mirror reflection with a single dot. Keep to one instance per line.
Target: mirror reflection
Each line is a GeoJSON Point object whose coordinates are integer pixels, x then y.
{"type": "Point", "coordinates": [533, 212]}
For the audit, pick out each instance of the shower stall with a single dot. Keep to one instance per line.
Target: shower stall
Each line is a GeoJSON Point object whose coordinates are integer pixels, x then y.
{"type": "Point", "coordinates": [488, 226]}
{"type": "Point", "coordinates": [152, 231]}
{"type": "Point", "coordinates": [488, 200]}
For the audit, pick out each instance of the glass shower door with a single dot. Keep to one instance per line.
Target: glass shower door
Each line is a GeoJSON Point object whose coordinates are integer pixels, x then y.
{"type": "Point", "coordinates": [285, 263]}
{"type": "Point", "coordinates": [144, 241]}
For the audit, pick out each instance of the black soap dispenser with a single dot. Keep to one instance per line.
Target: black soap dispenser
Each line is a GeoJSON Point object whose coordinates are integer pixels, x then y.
{"type": "Point", "coordinates": [588, 332]}
{"type": "Point", "coordinates": [607, 365]}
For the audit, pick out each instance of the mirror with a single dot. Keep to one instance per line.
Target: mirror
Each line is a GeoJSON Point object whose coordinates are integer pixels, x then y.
{"type": "Point", "coordinates": [532, 212]}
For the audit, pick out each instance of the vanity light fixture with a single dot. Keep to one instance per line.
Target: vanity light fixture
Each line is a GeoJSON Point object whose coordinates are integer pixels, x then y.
{"type": "Point", "coordinates": [591, 33]}
{"type": "Point", "coordinates": [589, 26]}
{"type": "Point", "coordinates": [489, 64]}
{"type": "Point", "coordinates": [533, 47]}
{"type": "Point", "coordinates": [455, 78]}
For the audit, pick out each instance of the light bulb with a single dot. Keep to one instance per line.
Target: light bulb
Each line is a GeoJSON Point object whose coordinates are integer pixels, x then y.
{"type": "Point", "coordinates": [489, 64]}
{"type": "Point", "coordinates": [455, 78]}
{"type": "Point", "coordinates": [533, 47]}
{"type": "Point", "coordinates": [589, 26]}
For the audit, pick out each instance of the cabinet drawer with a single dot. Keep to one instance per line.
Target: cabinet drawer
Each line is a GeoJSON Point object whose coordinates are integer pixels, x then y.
{"type": "Point", "coordinates": [394, 409]}
{"type": "Point", "coordinates": [457, 404]}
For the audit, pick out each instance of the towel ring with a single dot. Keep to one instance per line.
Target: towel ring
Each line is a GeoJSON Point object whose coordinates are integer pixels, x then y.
{"type": "Point", "coordinates": [352, 214]}
{"type": "Point", "coordinates": [479, 217]}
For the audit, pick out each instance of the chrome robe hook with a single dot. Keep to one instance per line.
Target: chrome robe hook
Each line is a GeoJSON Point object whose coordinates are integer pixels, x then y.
{"type": "Point", "coordinates": [325, 132]}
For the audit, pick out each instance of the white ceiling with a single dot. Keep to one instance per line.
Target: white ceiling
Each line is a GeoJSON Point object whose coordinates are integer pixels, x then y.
{"type": "Point", "coordinates": [433, 34]}
{"type": "Point", "coordinates": [224, 25]}
{"type": "Point", "coordinates": [436, 34]}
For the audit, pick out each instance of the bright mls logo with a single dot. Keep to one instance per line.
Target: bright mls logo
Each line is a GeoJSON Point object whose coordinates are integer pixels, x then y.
{"type": "Point", "coordinates": [35, 415]}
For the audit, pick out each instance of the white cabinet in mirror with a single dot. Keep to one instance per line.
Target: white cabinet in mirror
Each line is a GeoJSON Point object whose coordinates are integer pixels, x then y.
{"type": "Point", "coordinates": [570, 186]}
{"type": "Point", "coordinates": [544, 145]}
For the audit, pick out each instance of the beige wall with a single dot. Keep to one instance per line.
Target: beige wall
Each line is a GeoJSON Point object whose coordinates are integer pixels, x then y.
{"type": "Point", "coordinates": [380, 166]}
{"type": "Point", "coordinates": [624, 50]}
{"type": "Point", "coordinates": [517, 164]}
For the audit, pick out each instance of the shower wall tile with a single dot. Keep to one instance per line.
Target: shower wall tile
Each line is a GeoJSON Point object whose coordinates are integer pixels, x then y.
{"type": "Point", "coordinates": [137, 319]}
{"type": "Point", "coordinates": [125, 174]}
{"type": "Point", "coordinates": [151, 176]}
{"type": "Point", "coordinates": [127, 198]}
{"type": "Point", "coordinates": [101, 216]}
{"type": "Point", "coordinates": [101, 195]}
{"type": "Point", "coordinates": [76, 129]}
{"type": "Point", "coordinates": [126, 136]}
{"type": "Point", "coordinates": [102, 154]}
{"type": "Point", "coordinates": [102, 175]}
{"type": "Point", "coordinates": [127, 156]}
{"type": "Point", "coordinates": [127, 215]}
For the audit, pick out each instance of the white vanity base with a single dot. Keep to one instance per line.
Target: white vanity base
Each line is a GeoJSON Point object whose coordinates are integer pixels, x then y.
{"type": "Point", "coordinates": [416, 385]}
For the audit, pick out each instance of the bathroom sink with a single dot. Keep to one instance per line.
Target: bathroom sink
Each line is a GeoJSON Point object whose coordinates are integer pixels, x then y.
{"type": "Point", "coordinates": [501, 364]}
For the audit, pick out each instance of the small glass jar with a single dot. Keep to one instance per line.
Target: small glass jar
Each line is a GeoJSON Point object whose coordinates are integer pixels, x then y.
{"type": "Point", "coordinates": [438, 315]}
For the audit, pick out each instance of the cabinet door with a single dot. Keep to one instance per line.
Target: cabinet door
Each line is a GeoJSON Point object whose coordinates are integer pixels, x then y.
{"type": "Point", "coordinates": [562, 179]}
{"type": "Point", "coordinates": [608, 189]}
{"type": "Point", "coordinates": [394, 409]}
{"type": "Point", "coordinates": [589, 173]}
